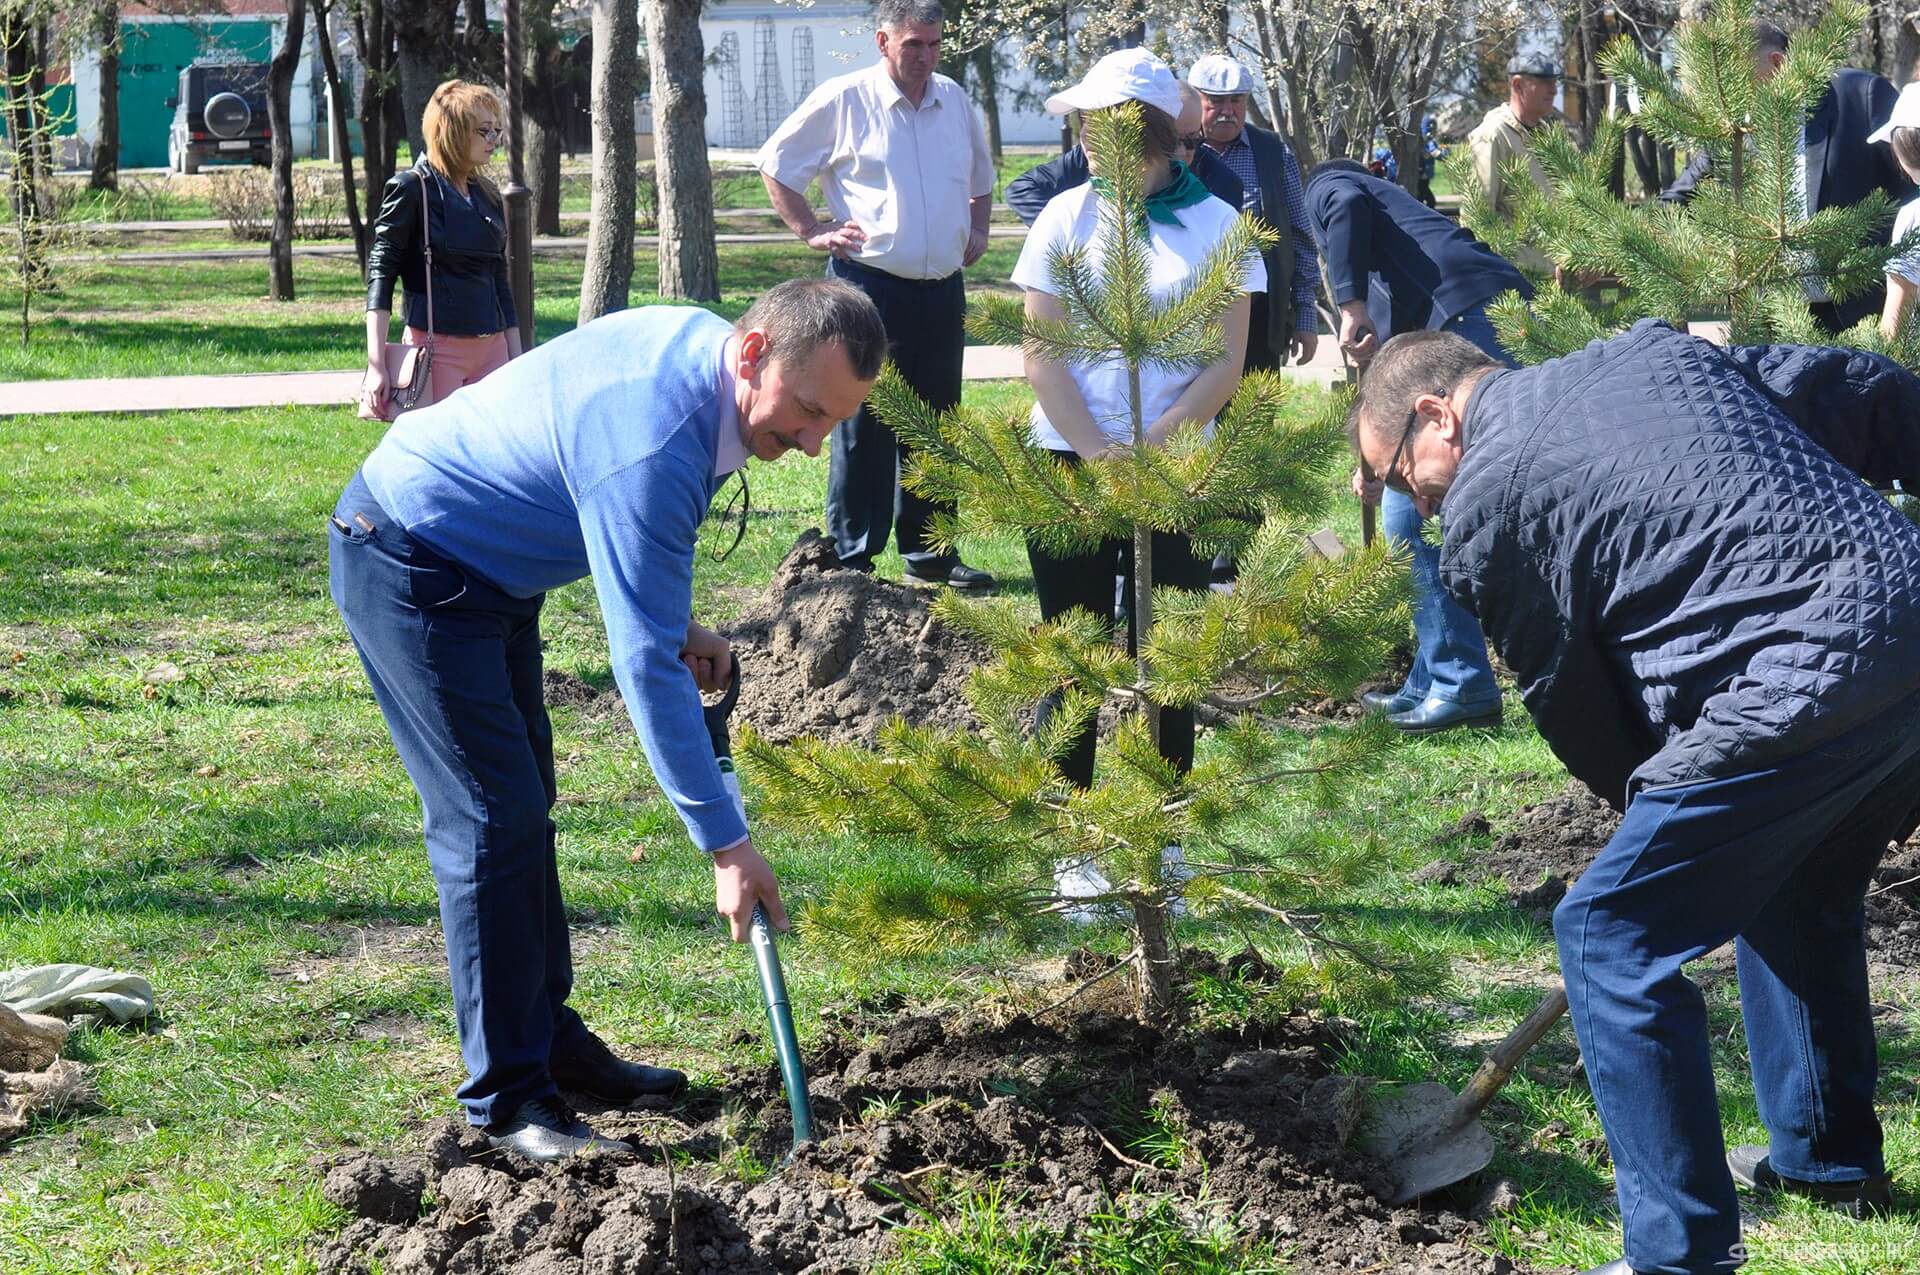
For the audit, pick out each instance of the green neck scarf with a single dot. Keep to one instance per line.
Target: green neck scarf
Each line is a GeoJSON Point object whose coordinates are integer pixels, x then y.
{"type": "Point", "coordinates": [1164, 205]}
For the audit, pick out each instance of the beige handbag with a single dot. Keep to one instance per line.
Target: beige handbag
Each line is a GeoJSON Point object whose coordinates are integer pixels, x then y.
{"type": "Point", "coordinates": [410, 367]}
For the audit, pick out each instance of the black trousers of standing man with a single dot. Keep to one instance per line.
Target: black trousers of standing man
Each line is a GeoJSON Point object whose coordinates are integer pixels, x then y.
{"type": "Point", "coordinates": [926, 335]}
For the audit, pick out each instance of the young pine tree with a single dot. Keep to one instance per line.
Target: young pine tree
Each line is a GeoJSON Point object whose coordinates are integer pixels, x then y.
{"type": "Point", "coordinates": [989, 809]}
{"type": "Point", "coordinates": [1744, 246]}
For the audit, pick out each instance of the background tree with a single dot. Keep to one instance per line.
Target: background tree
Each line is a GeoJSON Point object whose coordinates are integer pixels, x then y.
{"type": "Point", "coordinates": [990, 808]}
{"type": "Point", "coordinates": [609, 272]}
{"type": "Point", "coordinates": [1744, 246]}
{"type": "Point", "coordinates": [379, 95]}
{"type": "Point", "coordinates": [38, 238]}
{"type": "Point", "coordinates": [280, 119]}
{"type": "Point", "coordinates": [337, 122]}
{"type": "Point", "coordinates": [689, 258]}
{"type": "Point", "coordinates": [424, 56]}
{"type": "Point", "coordinates": [106, 39]}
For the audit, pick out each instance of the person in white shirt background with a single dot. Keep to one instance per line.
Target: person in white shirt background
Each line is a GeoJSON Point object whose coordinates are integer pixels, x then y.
{"type": "Point", "coordinates": [1082, 411]}
{"type": "Point", "coordinates": [901, 157]}
{"type": "Point", "coordinates": [1902, 132]}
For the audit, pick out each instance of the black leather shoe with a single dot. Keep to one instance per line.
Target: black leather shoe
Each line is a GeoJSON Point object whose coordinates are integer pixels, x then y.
{"type": "Point", "coordinates": [593, 1069]}
{"type": "Point", "coordinates": [544, 1130]}
{"type": "Point", "coordinates": [1387, 701]}
{"type": "Point", "coordinates": [1870, 1197]}
{"type": "Point", "coordinates": [957, 576]}
{"type": "Point", "coordinates": [1432, 715]}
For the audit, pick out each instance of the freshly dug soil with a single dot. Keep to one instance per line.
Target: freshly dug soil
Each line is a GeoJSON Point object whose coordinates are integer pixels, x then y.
{"type": "Point", "coordinates": [1045, 1110]}
{"type": "Point", "coordinates": [1547, 846]}
{"type": "Point", "coordinates": [835, 653]}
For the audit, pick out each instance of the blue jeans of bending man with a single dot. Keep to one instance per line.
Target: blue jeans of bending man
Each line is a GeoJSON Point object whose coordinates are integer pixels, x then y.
{"type": "Point", "coordinates": [1780, 859]}
{"type": "Point", "coordinates": [1450, 654]}
{"type": "Point", "coordinates": [456, 669]}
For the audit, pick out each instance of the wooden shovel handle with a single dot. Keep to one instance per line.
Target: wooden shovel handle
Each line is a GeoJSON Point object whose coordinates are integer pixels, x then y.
{"type": "Point", "coordinates": [1497, 1068]}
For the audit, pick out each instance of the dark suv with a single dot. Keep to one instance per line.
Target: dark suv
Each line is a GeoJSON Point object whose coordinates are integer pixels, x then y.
{"type": "Point", "coordinates": [221, 113]}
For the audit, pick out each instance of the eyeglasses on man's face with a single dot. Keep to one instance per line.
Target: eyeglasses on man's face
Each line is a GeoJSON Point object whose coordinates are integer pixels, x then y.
{"type": "Point", "coordinates": [1395, 475]}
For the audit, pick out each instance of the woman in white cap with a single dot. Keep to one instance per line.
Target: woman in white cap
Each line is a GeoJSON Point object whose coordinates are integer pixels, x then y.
{"type": "Point", "coordinates": [1902, 133]}
{"type": "Point", "coordinates": [1082, 412]}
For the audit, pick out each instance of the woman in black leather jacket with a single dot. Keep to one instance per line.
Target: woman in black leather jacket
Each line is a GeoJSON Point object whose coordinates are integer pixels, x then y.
{"type": "Point", "coordinates": [475, 325]}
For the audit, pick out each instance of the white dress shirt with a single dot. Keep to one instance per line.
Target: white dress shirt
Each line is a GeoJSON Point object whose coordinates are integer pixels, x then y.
{"type": "Point", "coordinates": [902, 174]}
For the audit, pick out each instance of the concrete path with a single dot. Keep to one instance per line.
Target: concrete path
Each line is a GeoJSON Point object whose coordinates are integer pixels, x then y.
{"type": "Point", "coordinates": [289, 389]}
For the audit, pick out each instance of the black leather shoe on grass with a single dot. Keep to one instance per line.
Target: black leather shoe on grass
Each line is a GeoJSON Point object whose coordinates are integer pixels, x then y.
{"type": "Point", "coordinates": [544, 1131]}
{"type": "Point", "coordinates": [1387, 702]}
{"type": "Point", "coordinates": [1870, 1197]}
{"type": "Point", "coordinates": [957, 576]}
{"type": "Point", "coordinates": [594, 1070]}
{"type": "Point", "coordinates": [1432, 715]}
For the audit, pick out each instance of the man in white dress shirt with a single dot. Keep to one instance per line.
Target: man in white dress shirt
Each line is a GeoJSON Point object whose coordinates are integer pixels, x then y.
{"type": "Point", "coordinates": [901, 157]}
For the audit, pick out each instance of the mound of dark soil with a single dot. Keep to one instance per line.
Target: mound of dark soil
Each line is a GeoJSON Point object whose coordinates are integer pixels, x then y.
{"type": "Point", "coordinates": [1546, 847]}
{"type": "Point", "coordinates": [1053, 1113]}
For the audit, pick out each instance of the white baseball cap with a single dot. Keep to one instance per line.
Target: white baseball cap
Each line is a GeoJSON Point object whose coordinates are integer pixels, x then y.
{"type": "Point", "coordinates": [1219, 75]}
{"type": "Point", "coordinates": [1125, 75]}
{"type": "Point", "coordinates": [1906, 114]}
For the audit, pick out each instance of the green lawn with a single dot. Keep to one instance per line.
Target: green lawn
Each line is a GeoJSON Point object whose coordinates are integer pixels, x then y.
{"type": "Point", "coordinates": [200, 789]}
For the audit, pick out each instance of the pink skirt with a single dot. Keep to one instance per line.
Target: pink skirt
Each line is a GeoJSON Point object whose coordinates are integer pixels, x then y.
{"type": "Point", "coordinates": [461, 360]}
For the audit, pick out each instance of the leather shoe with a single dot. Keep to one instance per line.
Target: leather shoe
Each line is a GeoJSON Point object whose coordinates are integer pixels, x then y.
{"type": "Point", "coordinates": [1870, 1197]}
{"type": "Point", "coordinates": [1388, 701]}
{"type": "Point", "coordinates": [593, 1069]}
{"type": "Point", "coordinates": [545, 1130]}
{"type": "Point", "coordinates": [1432, 715]}
{"type": "Point", "coordinates": [956, 576]}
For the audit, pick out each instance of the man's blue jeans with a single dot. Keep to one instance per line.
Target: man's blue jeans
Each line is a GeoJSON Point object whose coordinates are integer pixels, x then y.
{"type": "Point", "coordinates": [456, 669]}
{"type": "Point", "coordinates": [1780, 858]}
{"type": "Point", "coordinates": [1450, 655]}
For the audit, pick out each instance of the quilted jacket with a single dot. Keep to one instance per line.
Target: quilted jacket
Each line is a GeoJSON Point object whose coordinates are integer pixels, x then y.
{"type": "Point", "coordinates": [1669, 546]}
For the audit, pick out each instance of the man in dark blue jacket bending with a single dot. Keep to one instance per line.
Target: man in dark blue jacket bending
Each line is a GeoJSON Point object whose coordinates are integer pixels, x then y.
{"type": "Point", "coordinates": [1712, 620]}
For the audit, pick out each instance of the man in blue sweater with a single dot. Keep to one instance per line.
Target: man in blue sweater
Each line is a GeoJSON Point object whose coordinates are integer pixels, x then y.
{"type": "Point", "coordinates": [596, 454]}
{"type": "Point", "coordinates": [1710, 617]}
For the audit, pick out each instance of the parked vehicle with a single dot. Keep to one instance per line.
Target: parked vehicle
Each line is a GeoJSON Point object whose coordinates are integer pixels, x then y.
{"type": "Point", "coordinates": [220, 114]}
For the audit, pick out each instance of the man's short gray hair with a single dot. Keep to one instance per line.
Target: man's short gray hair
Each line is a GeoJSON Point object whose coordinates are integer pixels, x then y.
{"type": "Point", "coordinates": [1409, 365]}
{"type": "Point", "coordinates": [892, 15]}
{"type": "Point", "coordinates": [801, 315]}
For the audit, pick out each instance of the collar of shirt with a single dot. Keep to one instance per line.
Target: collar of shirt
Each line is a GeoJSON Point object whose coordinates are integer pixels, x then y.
{"type": "Point", "coordinates": [891, 94]}
{"type": "Point", "coordinates": [729, 443]}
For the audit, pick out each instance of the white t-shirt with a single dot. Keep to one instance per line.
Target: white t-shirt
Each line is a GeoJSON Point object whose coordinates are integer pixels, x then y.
{"type": "Point", "coordinates": [1908, 220]}
{"type": "Point", "coordinates": [1072, 217]}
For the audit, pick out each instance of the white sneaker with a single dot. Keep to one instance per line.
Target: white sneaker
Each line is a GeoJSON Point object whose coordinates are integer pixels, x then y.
{"type": "Point", "coordinates": [1081, 879]}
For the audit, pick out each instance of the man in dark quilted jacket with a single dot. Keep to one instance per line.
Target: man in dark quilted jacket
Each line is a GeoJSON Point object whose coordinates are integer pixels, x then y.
{"type": "Point", "coordinates": [1716, 626]}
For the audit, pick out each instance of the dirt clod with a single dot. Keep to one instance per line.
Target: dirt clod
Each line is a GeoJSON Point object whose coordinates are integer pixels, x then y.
{"type": "Point", "coordinates": [383, 1190]}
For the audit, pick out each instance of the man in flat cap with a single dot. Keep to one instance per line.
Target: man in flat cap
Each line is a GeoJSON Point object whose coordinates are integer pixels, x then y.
{"type": "Point", "coordinates": [1533, 81]}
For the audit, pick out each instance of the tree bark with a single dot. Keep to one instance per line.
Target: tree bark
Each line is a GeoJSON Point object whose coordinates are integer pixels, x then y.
{"type": "Point", "coordinates": [424, 48]}
{"type": "Point", "coordinates": [1153, 960]}
{"type": "Point", "coordinates": [543, 175]}
{"type": "Point", "coordinates": [337, 120]}
{"type": "Point", "coordinates": [279, 118]}
{"type": "Point", "coordinates": [543, 95]}
{"type": "Point", "coordinates": [689, 261]}
{"type": "Point", "coordinates": [989, 95]}
{"type": "Point", "coordinates": [373, 45]}
{"type": "Point", "coordinates": [106, 155]}
{"type": "Point", "coordinates": [609, 274]}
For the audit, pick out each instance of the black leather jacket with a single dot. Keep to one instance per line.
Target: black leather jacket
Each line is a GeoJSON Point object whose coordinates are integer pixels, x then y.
{"type": "Point", "coordinates": [471, 293]}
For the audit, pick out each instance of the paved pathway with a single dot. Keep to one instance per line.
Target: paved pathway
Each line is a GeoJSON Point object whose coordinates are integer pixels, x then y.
{"type": "Point", "coordinates": [287, 389]}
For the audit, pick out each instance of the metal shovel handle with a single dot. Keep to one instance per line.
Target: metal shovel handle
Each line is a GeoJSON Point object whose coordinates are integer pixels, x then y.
{"type": "Point", "coordinates": [786, 1043]}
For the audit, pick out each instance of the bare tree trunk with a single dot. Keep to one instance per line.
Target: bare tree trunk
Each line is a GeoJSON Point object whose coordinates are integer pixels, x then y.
{"type": "Point", "coordinates": [543, 94]}
{"type": "Point", "coordinates": [373, 46]}
{"type": "Point", "coordinates": [989, 95]}
{"type": "Point", "coordinates": [106, 155]}
{"type": "Point", "coordinates": [279, 119]}
{"type": "Point", "coordinates": [689, 261]}
{"type": "Point", "coordinates": [337, 118]}
{"type": "Point", "coordinates": [616, 30]}
{"type": "Point", "coordinates": [423, 42]}
{"type": "Point", "coordinates": [543, 174]}
{"type": "Point", "coordinates": [1153, 960]}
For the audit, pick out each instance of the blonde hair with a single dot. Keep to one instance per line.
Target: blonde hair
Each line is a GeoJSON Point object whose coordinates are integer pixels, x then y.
{"type": "Point", "coordinates": [451, 118]}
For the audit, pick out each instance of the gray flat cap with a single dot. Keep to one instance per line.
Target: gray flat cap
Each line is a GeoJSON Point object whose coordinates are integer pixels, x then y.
{"type": "Point", "coordinates": [1538, 65]}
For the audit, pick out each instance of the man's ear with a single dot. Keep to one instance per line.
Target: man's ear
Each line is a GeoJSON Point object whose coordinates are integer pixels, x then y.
{"type": "Point", "coordinates": [1445, 418]}
{"type": "Point", "coordinates": [754, 348]}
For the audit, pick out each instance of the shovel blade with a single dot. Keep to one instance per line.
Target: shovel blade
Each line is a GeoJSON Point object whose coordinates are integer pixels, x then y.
{"type": "Point", "coordinates": [1410, 1132]}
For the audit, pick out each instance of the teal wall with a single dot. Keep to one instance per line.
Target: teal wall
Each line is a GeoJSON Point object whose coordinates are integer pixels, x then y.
{"type": "Point", "coordinates": [151, 60]}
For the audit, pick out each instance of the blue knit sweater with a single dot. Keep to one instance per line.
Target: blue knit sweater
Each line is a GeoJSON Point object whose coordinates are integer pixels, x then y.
{"type": "Point", "coordinates": [592, 454]}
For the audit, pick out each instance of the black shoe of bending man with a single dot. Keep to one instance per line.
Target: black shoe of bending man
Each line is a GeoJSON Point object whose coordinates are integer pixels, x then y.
{"type": "Point", "coordinates": [956, 576]}
{"type": "Point", "coordinates": [1431, 715]}
{"type": "Point", "coordinates": [593, 1069]}
{"type": "Point", "coordinates": [1870, 1197]}
{"type": "Point", "coordinates": [545, 1130]}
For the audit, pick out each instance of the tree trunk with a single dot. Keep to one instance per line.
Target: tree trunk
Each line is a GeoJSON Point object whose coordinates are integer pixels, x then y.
{"type": "Point", "coordinates": [483, 57]}
{"type": "Point", "coordinates": [689, 261]}
{"type": "Point", "coordinates": [1153, 960]}
{"type": "Point", "coordinates": [337, 119]}
{"type": "Point", "coordinates": [279, 119]}
{"type": "Point", "coordinates": [543, 174]}
{"type": "Point", "coordinates": [373, 45]}
{"type": "Point", "coordinates": [616, 30]}
{"type": "Point", "coordinates": [23, 126]}
{"type": "Point", "coordinates": [106, 155]}
{"type": "Point", "coordinates": [544, 103]}
{"type": "Point", "coordinates": [989, 95]}
{"type": "Point", "coordinates": [424, 46]}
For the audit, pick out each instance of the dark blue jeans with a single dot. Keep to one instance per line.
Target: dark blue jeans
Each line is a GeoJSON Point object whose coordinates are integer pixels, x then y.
{"type": "Point", "coordinates": [455, 666]}
{"type": "Point", "coordinates": [1781, 859]}
{"type": "Point", "coordinates": [1450, 655]}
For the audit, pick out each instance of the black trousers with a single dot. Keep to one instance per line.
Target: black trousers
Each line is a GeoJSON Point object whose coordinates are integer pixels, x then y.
{"type": "Point", "coordinates": [1086, 581]}
{"type": "Point", "coordinates": [926, 335]}
{"type": "Point", "coordinates": [1260, 349]}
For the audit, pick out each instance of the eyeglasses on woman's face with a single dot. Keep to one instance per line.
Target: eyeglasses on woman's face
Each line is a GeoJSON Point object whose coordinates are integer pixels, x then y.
{"type": "Point", "coordinates": [490, 132]}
